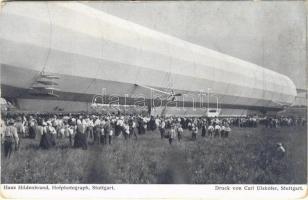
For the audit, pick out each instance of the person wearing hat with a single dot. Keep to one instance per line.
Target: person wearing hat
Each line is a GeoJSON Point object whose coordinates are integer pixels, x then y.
{"type": "Point", "coordinates": [10, 137]}
{"type": "Point", "coordinates": [46, 139]}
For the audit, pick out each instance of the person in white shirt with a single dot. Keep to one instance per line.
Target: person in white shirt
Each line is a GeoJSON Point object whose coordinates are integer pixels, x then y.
{"type": "Point", "coordinates": [46, 138]}
{"type": "Point", "coordinates": [157, 122]}
{"type": "Point", "coordinates": [162, 128]}
{"type": "Point", "coordinates": [223, 131]}
{"type": "Point", "coordinates": [96, 130]}
{"type": "Point", "coordinates": [10, 138]}
{"type": "Point", "coordinates": [31, 127]}
{"type": "Point", "coordinates": [279, 152]}
{"type": "Point", "coordinates": [172, 134]}
{"type": "Point", "coordinates": [194, 131]}
{"type": "Point", "coordinates": [145, 123]}
{"type": "Point", "coordinates": [217, 130]}
{"type": "Point", "coordinates": [72, 131]}
{"type": "Point", "coordinates": [20, 127]}
{"type": "Point", "coordinates": [80, 139]}
{"type": "Point", "coordinates": [179, 131]}
{"type": "Point", "coordinates": [210, 130]}
{"type": "Point", "coordinates": [61, 131]}
{"type": "Point", "coordinates": [132, 126]}
{"type": "Point", "coordinates": [2, 128]}
{"type": "Point", "coordinates": [227, 130]}
{"type": "Point", "coordinates": [52, 132]}
{"type": "Point", "coordinates": [97, 122]}
{"type": "Point", "coordinates": [108, 131]}
{"type": "Point", "coordinates": [110, 135]}
{"type": "Point", "coordinates": [189, 125]}
{"type": "Point", "coordinates": [126, 131]}
{"type": "Point", "coordinates": [119, 127]}
{"type": "Point", "coordinates": [90, 125]}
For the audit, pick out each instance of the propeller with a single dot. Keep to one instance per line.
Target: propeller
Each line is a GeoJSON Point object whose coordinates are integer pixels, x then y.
{"type": "Point", "coordinates": [173, 95]}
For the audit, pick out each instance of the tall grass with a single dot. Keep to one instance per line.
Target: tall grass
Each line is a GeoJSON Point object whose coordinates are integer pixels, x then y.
{"type": "Point", "coordinates": [243, 158]}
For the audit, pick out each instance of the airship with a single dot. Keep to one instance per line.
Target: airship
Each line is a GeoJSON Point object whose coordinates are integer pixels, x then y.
{"type": "Point", "coordinates": [68, 56]}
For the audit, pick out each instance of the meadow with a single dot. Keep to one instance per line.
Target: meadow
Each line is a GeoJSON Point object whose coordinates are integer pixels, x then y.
{"type": "Point", "coordinates": [243, 158]}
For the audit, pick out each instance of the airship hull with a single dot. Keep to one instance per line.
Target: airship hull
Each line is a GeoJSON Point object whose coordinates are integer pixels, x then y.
{"type": "Point", "coordinates": [94, 53]}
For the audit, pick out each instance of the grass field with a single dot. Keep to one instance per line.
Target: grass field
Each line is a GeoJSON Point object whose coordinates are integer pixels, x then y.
{"type": "Point", "coordinates": [243, 158]}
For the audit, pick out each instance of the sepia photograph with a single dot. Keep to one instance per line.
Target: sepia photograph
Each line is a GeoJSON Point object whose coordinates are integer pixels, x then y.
{"type": "Point", "coordinates": [153, 92]}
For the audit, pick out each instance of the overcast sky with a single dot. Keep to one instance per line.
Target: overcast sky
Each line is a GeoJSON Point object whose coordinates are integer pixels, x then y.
{"type": "Point", "coordinates": [270, 34]}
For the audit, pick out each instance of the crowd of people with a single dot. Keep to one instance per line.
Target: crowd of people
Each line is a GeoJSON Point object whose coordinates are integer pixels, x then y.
{"type": "Point", "coordinates": [102, 129]}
